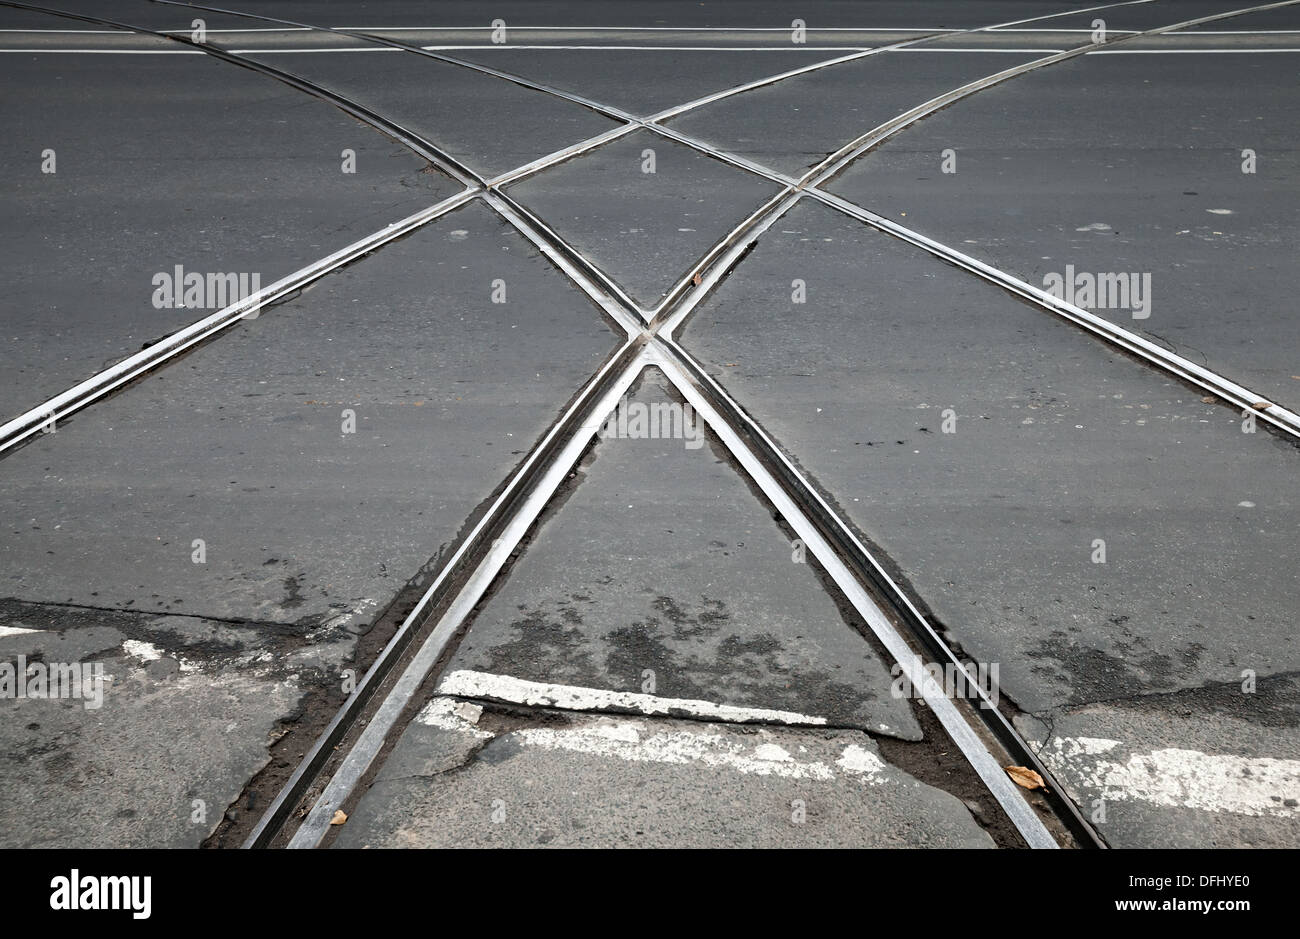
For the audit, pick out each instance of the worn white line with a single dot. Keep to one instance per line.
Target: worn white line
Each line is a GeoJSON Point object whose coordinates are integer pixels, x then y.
{"type": "Point", "coordinates": [7, 631]}
{"type": "Point", "coordinates": [999, 50]}
{"type": "Point", "coordinates": [623, 741]}
{"type": "Point", "coordinates": [453, 48]}
{"type": "Point", "coordinates": [1182, 51]}
{"type": "Point", "coordinates": [1173, 777]}
{"type": "Point", "coordinates": [494, 687]}
{"type": "Point", "coordinates": [107, 51]}
{"type": "Point", "coordinates": [507, 48]}
{"type": "Point", "coordinates": [639, 741]}
{"type": "Point", "coordinates": [658, 29]}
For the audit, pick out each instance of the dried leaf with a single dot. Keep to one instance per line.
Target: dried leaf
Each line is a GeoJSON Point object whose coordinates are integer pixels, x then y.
{"type": "Point", "coordinates": [1262, 405]}
{"type": "Point", "coordinates": [339, 818]}
{"type": "Point", "coordinates": [697, 280]}
{"type": "Point", "coordinates": [1025, 778]}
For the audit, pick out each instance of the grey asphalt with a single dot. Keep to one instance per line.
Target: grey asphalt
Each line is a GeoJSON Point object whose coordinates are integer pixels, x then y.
{"type": "Point", "coordinates": [1056, 442]}
{"type": "Point", "coordinates": [792, 125]}
{"type": "Point", "coordinates": [308, 531]}
{"type": "Point", "coordinates": [589, 781]}
{"type": "Point", "coordinates": [1106, 189]}
{"type": "Point", "coordinates": [662, 559]}
{"type": "Point", "coordinates": [644, 208]}
{"type": "Point", "coordinates": [136, 192]}
{"type": "Point", "coordinates": [329, 453]}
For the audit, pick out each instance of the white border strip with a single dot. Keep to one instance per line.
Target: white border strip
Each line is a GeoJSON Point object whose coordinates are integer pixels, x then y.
{"type": "Point", "coordinates": [494, 687]}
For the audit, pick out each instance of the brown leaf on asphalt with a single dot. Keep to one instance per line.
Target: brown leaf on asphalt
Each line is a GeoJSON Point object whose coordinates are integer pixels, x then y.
{"type": "Point", "coordinates": [1262, 405]}
{"type": "Point", "coordinates": [339, 818]}
{"type": "Point", "coordinates": [697, 280]}
{"type": "Point", "coordinates": [1025, 778]}
{"type": "Point", "coordinates": [1208, 399]}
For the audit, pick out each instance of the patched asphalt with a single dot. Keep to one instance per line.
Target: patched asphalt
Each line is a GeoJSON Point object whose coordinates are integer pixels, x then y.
{"type": "Point", "coordinates": [590, 781]}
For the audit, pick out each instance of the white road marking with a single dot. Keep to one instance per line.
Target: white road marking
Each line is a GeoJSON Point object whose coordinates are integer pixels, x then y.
{"type": "Point", "coordinates": [449, 48]}
{"type": "Point", "coordinates": [471, 684]}
{"type": "Point", "coordinates": [144, 651]}
{"type": "Point", "coordinates": [444, 714]}
{"type": "Point", "coordinates": [1176, 778]}
{"type": "Point", "coordinates": [623, 741]}
{"type": "Point", "coordinates": [636, 742]}
{"type": "Point", "coordinates": [6, 631]}
{"type": "Point", "coordinates": [108, 51]}
{"type": "Point", "coordinates": [570, 48]}
{"type": "Point", "coordinates": [629, 740]}
{"type": "Point", "coordinates": [1183, 51]}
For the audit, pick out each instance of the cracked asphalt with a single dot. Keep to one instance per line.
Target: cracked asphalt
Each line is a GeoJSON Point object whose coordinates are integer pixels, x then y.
{"type": "Point", "coordinates": [215, 546]}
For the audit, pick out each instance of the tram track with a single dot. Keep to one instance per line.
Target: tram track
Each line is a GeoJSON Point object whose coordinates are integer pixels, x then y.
{"type": "Point", "coordinates": [650, 343]}
{"type": "Point", "coordinates": [959, 727]}
{"type": "Point", "coordinates": [671, 310]}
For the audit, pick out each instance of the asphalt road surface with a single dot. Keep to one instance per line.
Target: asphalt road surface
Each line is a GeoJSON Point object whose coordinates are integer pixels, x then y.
{"type": "Point", "coordinates": [650, 424]}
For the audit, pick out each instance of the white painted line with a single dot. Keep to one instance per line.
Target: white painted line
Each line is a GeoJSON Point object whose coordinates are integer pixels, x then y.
{"type": "Point", "coordinates": [107, 51]}
{"type": "Point", "coordinates": [471, 684]}
{"type": "Point", "coordinates": [1178, 778]}
{"type": "Point", "coordinates": [444, 714]}
{"type": "Point", "coordinates": [507, 48]}
{"type": "Point", "coordinates": [638, 741]}
{"type": "Point", "coordinates": [7, 631]}
{"type": "Point", "coordinates": [325, 49]}
{"type": "Point", "coordinates": [623, 741]}
{"type": "Point", "coordinates": [1182, 51]}
{"type": "Point", "coordinates": [566, 48]}
{"type": "Point", "coordinates": [990, 51]}
{"type": "Point", "coordinates": [653, 29]}
{"type": "Point", "coordinates": [144, 651]}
